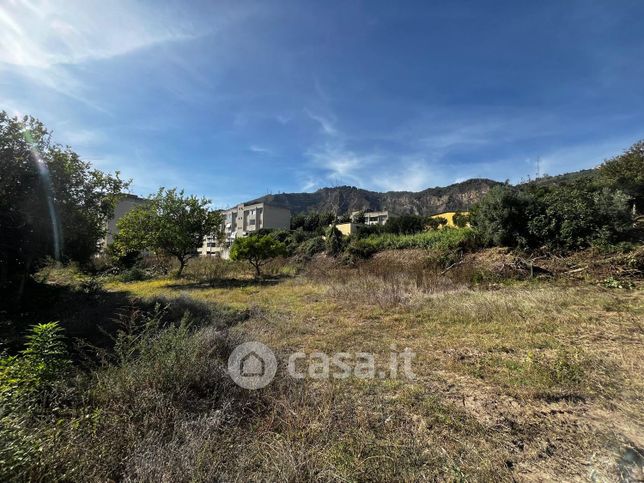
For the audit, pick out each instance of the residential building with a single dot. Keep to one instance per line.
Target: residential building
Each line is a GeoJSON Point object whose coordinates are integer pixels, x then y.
{"type": "Point", "coordinates": [347, 228]}
{"type": "Point", "coordinates": [373, 217]}
{"type": "Point", "coordinates": [125, 204]}
{"type": "Point", "coordinates": [242, 220]}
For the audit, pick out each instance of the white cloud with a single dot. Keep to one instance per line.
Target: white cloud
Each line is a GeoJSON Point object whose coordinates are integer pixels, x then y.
{"type": "Point", "coordinates": [310, 184]}
{"type": "Point", "coordinates": [46, 33]}
{"type": "Point", "coordinates": [259, 150]}
{"type": "Point", "coordinates": [325, 123]}
{"type": "Point", "coordinates": [410, 176]}
{"type": "Point", "coordinates": [78, 138]}
{"type": "Point", "coordinates": [340, 165]}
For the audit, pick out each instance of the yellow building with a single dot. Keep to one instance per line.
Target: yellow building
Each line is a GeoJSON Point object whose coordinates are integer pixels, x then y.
{"type": "Point", "coordinates": [449, 216]}
{"type": "Point", "coordinates": [347, 228]}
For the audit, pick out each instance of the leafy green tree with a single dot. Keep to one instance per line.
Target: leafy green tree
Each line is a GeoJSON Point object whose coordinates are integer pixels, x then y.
{"type": "Point", "coordinates": [501, 217]}
{"type": "Point", "coordinates": [435, 222]}
{"type": "Point", "coordinates": [257, 250]}
{"type": "Point", "coordinates": [313, 221]}
{"type": "Point", "coordinates": [576, 216]}
{"type": "Point", "coordinates": [359, 217]}
{"type": "Point", "coordinates": [334, 241]}
{"type": "Point", "coordinates": [171, 223]}
{"type": "Point", "coordinates": [461, 219]}
{"type": "Point", "coordinates": [565, 217]}
{"type": "Point", "coordinates": [626, 173]}
{"type": "Point", "coordinates": [51, 202]}
{"type": "Point", "coordinates": [405, 224]}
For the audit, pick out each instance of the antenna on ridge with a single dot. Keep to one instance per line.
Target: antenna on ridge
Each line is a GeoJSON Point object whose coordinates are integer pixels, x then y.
{"type": "Point", "coordinates": [538, 167]}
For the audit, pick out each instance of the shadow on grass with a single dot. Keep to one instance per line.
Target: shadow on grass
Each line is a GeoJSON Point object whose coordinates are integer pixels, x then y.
{"type": "Point", "coordinates": [231, 283]}
{"type": "Point", "coordinates": [92, 317]}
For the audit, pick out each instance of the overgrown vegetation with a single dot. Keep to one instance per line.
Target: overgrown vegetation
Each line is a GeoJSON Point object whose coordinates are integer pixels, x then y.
{"type": "Point", "coordinates": [526, 363]}
{"type": "Point", "coordinates": [598, 208]}
{"type": "Point", "coordinates": [257, 250]}
{"type": "Point", "coordinates": [52, 204]}
{"type": "Point", "coordinates": [170, 223]}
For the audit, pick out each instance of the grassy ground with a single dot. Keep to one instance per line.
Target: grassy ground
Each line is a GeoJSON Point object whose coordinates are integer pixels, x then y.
{"type": "Point", "coordinates": [524, 381]}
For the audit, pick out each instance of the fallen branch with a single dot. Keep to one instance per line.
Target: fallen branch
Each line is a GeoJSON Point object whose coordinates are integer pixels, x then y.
{"type": "Point", "coordinates": [455, 264]}
{"type": "Point", "coordinates": [577, 270]}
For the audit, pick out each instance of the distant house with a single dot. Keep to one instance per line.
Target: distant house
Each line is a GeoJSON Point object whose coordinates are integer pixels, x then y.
{"type": "Point", "coordinates": [449, 216]}
{"type": "Point", "coordinates": [347, 228]}
{"type": "Point", "coordinates": [372, 217]}
{"type": "Point", "coordinates": [245, 220]}
{"type": "Point", "coordinates": [125, 204]}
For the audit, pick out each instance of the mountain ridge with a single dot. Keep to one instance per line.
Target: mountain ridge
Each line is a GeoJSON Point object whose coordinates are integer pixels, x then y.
{"type": "Point", "coordinates": [345, 199]}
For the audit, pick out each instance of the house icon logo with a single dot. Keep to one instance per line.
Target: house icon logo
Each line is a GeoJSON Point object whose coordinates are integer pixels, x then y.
{"type": "Point", "coordinates": [252, 365]}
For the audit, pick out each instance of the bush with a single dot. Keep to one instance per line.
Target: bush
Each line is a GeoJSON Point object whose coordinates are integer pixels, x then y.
{"type": "Point", "coordinates": [448, 238]}
{"type": "Point", "coordinates": [334, 241]}
{"type": "Point", "coordinates": [257, 250]}
{"type": "Point", "coordinates": [435, 222]}
{"type": "Point", "coordinates": [501, 218]}
{"type": "Point", "coordinates": [312, 246]}
{"type": "Point", "coordinates": [561, 217]}
{"type": "Point", "coordinates": [406, 224]}
{"type": "Point", "coordinates": [28, 388]}
{"type": "Point", "coordinates": [461, 219]}
{"type": "Point", "coordinates": [626, 172]}
{"type": "Point", "coordinates": [211, 270]}
{"type": "Point", "coordinates": [134, 274]}
{"type": "Point", "coordinates": [577, 216]}
{"type": "Point", "coordinates": [361, 248]}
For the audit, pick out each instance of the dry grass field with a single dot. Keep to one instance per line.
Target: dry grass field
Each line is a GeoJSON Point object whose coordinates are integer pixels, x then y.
{"type": "Point", "coordinates": [519, 380]}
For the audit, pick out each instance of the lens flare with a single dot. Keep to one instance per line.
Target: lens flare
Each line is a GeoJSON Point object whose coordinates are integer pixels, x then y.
{"type": "Point", "coordinates": [45, 177]}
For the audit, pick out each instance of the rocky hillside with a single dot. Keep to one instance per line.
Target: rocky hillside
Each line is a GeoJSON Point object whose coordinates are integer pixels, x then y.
{"type": "Point", "coordinates": [345, 199]}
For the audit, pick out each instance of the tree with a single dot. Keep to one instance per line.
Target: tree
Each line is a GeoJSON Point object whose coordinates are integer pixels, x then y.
{"type": "Point", "coordinates": [171, 224]}
{"type": "Point", "coordinates": [405, 225]}
{"type": "Point", "coordinates": [577, 215]}
{"type": "Point", "coordinates": [565, 217]}
{"type": "Point", "coordinates": [51, 202]}
{"type": "Point", "coordinates": [435, 222]}
{"type": "Point", "coordinates": [334, 241]}
{"type": "Point", "coordinates": [626, 172]}
{"type": "Point", "coordinates": [359, 217]}
{"type": "Point", "coordinates": [461, 219]}
{"type": "Point", "coordinates": [501, 217]}
{"type": "Point", "coordinates": [257, 250]}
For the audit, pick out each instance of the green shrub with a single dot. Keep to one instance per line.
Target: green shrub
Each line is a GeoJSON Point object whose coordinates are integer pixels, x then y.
{"type": "Point", "coordinates": [312, 246]}
{"type": "Point", "coordinates": [28, 384]}
{"type": "Point", "coordinates": [361, 248]}
{"type": "Point", "coordinates": [134, 274]}
{"type": "Point", "coordinates": [563, 217]}
{"type": "Point", "coordinates": [447, 238]}
{"type": "Point", "coordinates": [334, 241]}
{"type": "Point", "coordinates": [406, 224]}
{"type": "Point", "coordinates": [257, 250]}
{"type": "Point", "coordinates": [461, 219]}
{"type": "Point", "coordinates": [501, 218]}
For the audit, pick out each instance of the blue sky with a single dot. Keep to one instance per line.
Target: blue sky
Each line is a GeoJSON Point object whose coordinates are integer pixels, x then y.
{"type": "Point", "coordinates": [232, 100]}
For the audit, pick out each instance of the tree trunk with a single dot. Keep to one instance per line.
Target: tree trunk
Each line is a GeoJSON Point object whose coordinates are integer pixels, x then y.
{"type": "Point", "coordinates": [182, 264]}
{"type": "Point", "coordinates": [257, 273]}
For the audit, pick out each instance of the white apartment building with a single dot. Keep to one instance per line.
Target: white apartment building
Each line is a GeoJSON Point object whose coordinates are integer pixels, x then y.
{"type": "Point", "coordinates": [245, 219]}
{"type": "Point", "coordinates": [373, 217]}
